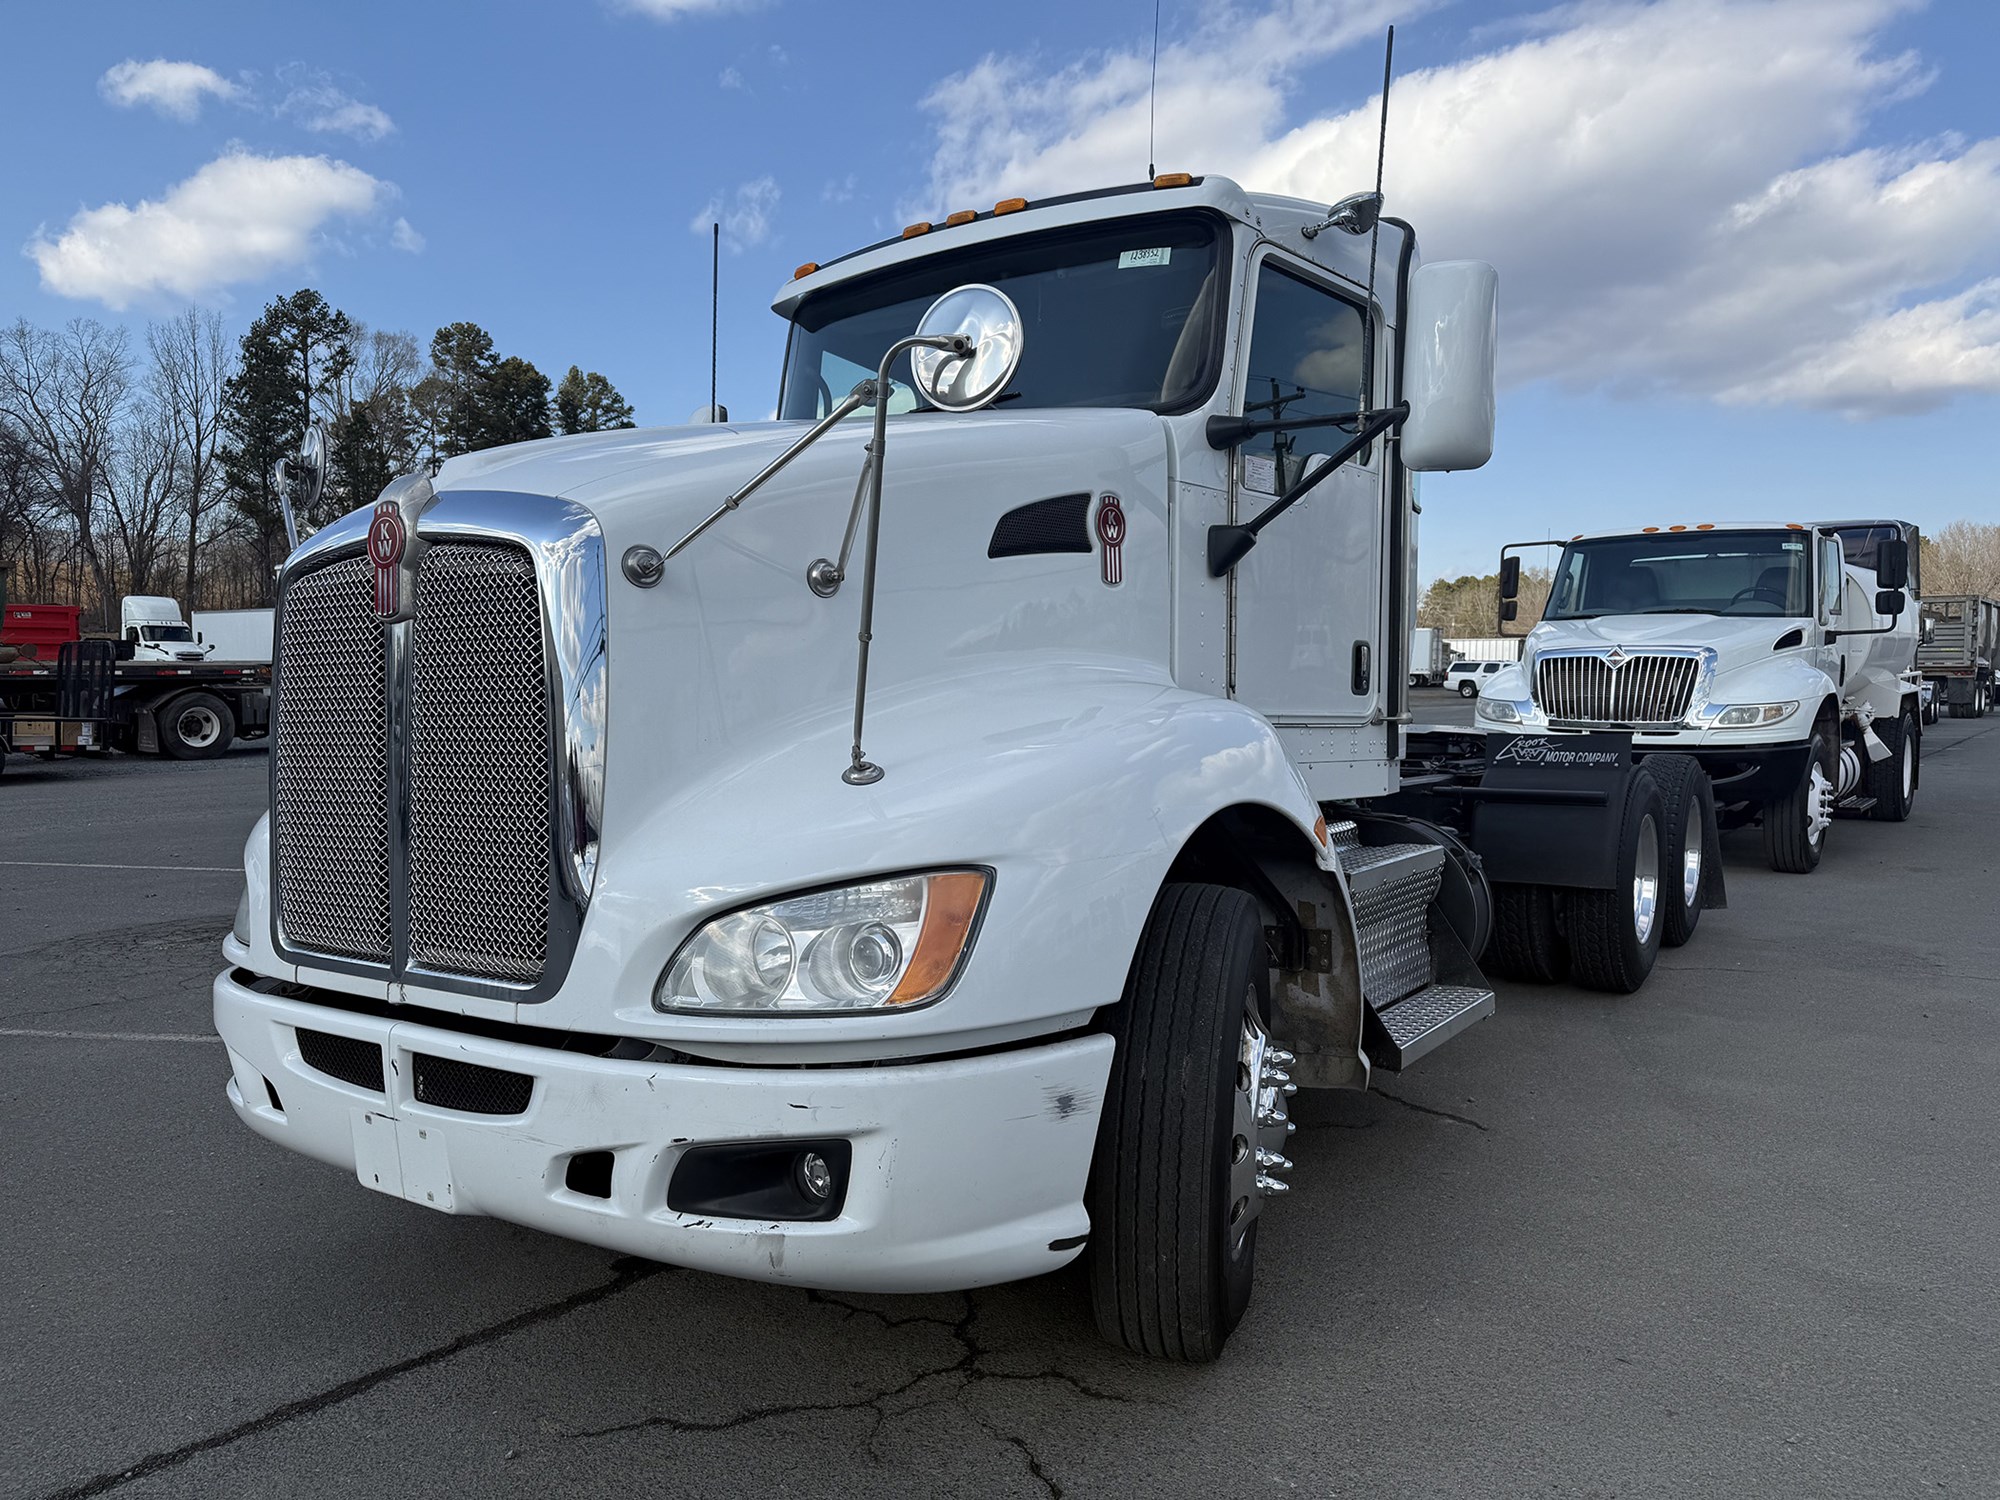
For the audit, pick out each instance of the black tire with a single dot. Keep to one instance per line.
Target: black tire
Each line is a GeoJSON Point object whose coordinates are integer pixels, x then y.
{"type": "Point", "coordinates": [1468, 690]}
{"type": "Point", "coordinates": [1790, 845]}
{"type": "Point", "coordinates": [1169, 1276]}
{"type": "Point", "coordinates": [1527, 944]}
{"type": "Point", "coordinates": [1689, 803]}
{"type": "Point", "coordinates": [1614, 936]}
{"type": "Point", "coordinates": [195, 726]}
{"type": "Point", "coordinates": [1893, 782]}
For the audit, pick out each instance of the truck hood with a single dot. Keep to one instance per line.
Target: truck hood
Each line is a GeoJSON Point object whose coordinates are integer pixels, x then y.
{"type": "Point", "coordinates": [1733, 638]}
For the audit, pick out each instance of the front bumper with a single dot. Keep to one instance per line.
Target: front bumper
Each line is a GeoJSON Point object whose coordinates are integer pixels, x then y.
{"type": "Point", "coordinates": [965, 1172]}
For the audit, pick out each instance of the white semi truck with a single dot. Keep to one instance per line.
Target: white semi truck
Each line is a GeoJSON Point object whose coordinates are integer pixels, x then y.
{"type": "Point", "coordinates": [1781, 657]}
{"type": "Point", "coordinates": [911, 852]}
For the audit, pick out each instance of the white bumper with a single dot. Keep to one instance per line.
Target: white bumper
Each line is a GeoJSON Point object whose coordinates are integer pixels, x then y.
{"type": "Point", "coordinates": [965, 1172]}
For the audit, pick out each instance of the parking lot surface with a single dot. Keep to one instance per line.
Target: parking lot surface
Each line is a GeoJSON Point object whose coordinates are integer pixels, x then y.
{"type": "Point", "coordinates": [1738, 1234]}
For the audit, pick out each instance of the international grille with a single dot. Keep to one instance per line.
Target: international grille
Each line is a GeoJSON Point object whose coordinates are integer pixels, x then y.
{"type": "Point", "coordinates": [476, 790]}
{"type": "Point", "coordinates": [1649, 688]}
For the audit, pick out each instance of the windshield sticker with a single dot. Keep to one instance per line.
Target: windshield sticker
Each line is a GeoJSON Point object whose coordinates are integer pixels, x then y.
{"type": "Point", "coordinates": [1794, 546]}
{"type": "Point", "coordinates": [1155, 257]}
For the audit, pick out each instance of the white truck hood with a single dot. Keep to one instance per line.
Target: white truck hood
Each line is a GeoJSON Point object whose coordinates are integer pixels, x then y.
{"type": "Point", "coordinates": [1733, 639]}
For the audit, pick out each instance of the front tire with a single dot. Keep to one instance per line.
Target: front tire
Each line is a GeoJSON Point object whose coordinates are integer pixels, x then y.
{"type": "Point", "coordinates": [1614, 935]}
{"type": "Point", "coordinates": [1893, 782]}
{"type": "Point", "coordinates": [1468, 690]}
{"type": "Point", "coordinates": [1795, 825]}
{"type": "Point", "coordinates": [1178, 1178]}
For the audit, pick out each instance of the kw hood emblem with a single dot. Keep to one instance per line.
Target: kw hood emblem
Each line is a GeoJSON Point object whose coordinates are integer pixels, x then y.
{"type": "Point", "coordinates": [394, 547]}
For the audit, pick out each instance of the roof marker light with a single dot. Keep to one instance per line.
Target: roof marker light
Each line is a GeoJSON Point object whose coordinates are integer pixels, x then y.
{"type": "Point", "coordinates": [1705, 526]}
{"type": "Point", "coordinates": [1649, 530]}
{"type": "Point", "coordinates": [963, 216]}
{"type": "Point", "coordinates": [1010, 205]}
{"type": "Point", "coordinates": [1173, 179]}
{"type": "Point", "coordinates": [1677, 528]}
{"type": "Point", "coordinates": [805, 270]}
{"type": "Point", "coordinates": [1793, 526]}
{"type": "Point", "coordinates": [911, 231]}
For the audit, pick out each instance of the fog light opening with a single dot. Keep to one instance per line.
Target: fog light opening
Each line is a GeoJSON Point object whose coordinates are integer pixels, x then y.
{"type": "Point", "coordinates": [815, 1176]}
{"type": "Point", "coordinates": [589, 1174]}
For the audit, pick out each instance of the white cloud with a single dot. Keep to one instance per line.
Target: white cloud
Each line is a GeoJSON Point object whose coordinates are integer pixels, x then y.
{"type": "Point", "coordinates": [729, 78]}
{"type": "Point", "coordinates": [746, 216]}
{"type": "Point", "coordinates": [405, 238]}
{"type": "Point", "coordinates": [238, 218]}
{"type": "Point", "coordinates": [324, 109]}
{"type": "Point", "coordinates": [673, 10]}
{"type": "Point", "coordinates": [1673, 191]}
{"type": "Point", "coordinates": [175, 89]}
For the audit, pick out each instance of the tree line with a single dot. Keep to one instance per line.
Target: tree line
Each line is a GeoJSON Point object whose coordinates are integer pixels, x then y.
{"type": "Point", "coordinates": [127, 470]}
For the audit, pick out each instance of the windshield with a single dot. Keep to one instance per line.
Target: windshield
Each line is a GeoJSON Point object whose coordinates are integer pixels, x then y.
{"type": "Point", "coordinates": [1125, 313]}
{"type": "Point", "coordinates": [165, 633]}
{"type": "Point", "coordinates": [1718, 573]}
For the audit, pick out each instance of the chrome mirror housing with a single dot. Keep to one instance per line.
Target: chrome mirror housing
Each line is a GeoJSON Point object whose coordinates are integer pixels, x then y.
{"type": "Point", "coordinates": [954, 381]}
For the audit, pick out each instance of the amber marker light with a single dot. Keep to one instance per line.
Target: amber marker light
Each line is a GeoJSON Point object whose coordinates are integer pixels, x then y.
{"type": "Point", "coordinates": [1705, 526]}
{"type": "Point", "coordinates": [911, 231]}
{"type": "Point", "coordinates": [1649, 530]}
{"type": "Point", "coordinates": [1319, 829]}
{"type": "Point", "coordinates": [805, 270]}
{"type": "Point", "coordinates": [1793, 526]}
{"type": "Point", "coordinates": [1010, 205]}
{"type": "Point", "coordinates": [950, 908]}
{"type": "Point", "coordinates": [1677, 528]}
{"type": "Point", "coordinates": [1173, 179]}
{"type": "Point", "coordinates": [963, 216]}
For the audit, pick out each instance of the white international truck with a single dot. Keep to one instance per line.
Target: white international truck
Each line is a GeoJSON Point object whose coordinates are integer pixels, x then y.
{"type": "Point", "coordinates": [911, 852]}
{"type": "Point", "coordinates": [1781, 657]}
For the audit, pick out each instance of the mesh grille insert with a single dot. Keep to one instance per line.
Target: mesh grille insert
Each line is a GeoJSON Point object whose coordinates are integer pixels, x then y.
{"type": "Point", "coordinates": [347, 1058]}
{"type": "Point", "coordinates": [331, 767]}
{"type": "Point", "coordinates": [448, 1083]}
{"type": "Point", "coordinates": [480, 814]}
{"type": "Point", "coordinates": [1647, 688]}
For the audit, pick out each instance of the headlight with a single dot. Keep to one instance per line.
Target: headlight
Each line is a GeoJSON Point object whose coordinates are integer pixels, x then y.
{"type": "Point", "coordinates": [1499, 710]}
{"type": "Point", "coordinates": [888, 944]}
{"type": "Point", "coordinates": [1753, 715]}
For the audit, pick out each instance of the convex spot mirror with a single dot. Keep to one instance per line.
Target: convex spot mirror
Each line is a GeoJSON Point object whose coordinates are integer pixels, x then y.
{"type": "Point", "coordinates": [1889, 602]}
{"type": "Point", "coordinates": [965, 382]}
{"type": "Point", "coordinates": [1892, 565]}
{"type": "Point", "coordinates": [1452, 336]}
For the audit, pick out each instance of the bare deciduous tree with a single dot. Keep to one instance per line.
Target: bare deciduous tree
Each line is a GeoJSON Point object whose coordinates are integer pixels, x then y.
{"type": "Point", "coordinates": [1963, 558]}
{"type": "Point", "coordinates": [192, 362]}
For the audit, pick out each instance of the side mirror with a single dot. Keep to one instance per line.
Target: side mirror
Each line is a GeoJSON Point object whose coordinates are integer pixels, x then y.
{"type": "Point", "coordinates": [1892, 567]}
{"type": "Point", "coordinates": [1452, 337]}
{"type": "Point", "coordinates": [1889, 602]}
{"type": "Point", "coordinates": [985, 318]}
{"type": "Point", "coordinates": [1510, 581]}
{"type": "Point", "coordinates": [1510, 609]}
{"type": "Point", "coordinates": [301, 479]}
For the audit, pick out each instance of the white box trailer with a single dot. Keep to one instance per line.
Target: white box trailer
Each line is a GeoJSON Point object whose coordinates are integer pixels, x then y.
{"type": "Point", "coordinates": [236, 635]}
{"type": "Point", "coordinates": [1486, 647]}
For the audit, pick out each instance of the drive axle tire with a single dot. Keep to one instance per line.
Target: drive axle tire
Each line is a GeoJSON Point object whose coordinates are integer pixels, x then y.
{"type": "Point", "coordinates": [1795, 825]}
{"type": "Point", "coordinates": [1689, 803]}
{"type": "Point", "coordinates": [1527, 943]}
{"type": "Point", "coordinates": [1174, 1190]}
{"type": "Point", "coordinates": [196, 726]}
{"type": "Point", "coordinates": [1614, 936]}
{"type": "Point", "coordinates": [1893, 782]}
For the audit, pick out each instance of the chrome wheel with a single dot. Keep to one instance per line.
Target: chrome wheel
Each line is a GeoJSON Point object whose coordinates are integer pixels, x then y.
{"type": "Point", "coordinates": [198, 727]}
{"type": "Point", "coordinates": [1909, 765]}
{"type": "Point", "coordinates": [1260, 1128]}
{"type": "Point", "coordinates": [1819, 805]}
{"type": "Point", "coordinates": [1690, 858]}
{"type": "Point", "coordinates": [1646, 880]}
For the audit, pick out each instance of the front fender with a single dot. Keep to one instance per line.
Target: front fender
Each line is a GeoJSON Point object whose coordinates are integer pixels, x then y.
{"type": "Point", "coordinates": [1077, 793]}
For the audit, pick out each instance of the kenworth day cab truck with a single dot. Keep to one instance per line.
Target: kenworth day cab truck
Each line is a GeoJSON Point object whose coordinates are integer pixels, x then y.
{"type": "Point", "coordinates": [910, 852]}
{"type": "Point", "coordinates": [1780, 657]}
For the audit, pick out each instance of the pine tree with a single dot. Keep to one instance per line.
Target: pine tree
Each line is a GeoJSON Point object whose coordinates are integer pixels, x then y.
{"type": "Point", "coordinates": [516, 402]}
{"type": "Point", "coordinates": [590, 403]}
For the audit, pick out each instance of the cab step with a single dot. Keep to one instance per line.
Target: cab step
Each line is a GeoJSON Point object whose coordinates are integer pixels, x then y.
{"type": "Point", "coordinates": [1854, 807]}
{"type": "Point", "coordinates": [1399, 1034]}
{"type": "Point", "coordinates": [1392, 886]}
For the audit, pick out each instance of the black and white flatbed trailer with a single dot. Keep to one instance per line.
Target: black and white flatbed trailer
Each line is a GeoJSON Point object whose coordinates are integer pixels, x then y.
{"type": "Point", "coordinates": [87, 700]}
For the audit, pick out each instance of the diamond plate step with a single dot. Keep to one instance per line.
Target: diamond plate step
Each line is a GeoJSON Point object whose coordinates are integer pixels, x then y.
{"type": "Point", "coordinates": [1413, 1026]}
{"type": "Point", "coordinates": [1393, 886]}
{"type": "Point", "coordinates": [1343, 835]}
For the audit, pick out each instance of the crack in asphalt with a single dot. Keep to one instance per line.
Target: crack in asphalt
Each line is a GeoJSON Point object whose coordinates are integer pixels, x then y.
{"type": "Point", "coordinates": [627, 1272]}
{"type": "Point", "coordinates": [1425, 1109]}
{"type": "Point", "coordinates": [966, 1368]}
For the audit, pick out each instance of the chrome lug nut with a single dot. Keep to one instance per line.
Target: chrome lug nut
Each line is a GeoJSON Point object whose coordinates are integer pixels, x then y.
{"type": "Point", "coordinates": [1278, 1057]}
{"type": "Point", "coordinates": [1272, 1187]}
{"type": "Point", "coordinates": [1268, 1160]}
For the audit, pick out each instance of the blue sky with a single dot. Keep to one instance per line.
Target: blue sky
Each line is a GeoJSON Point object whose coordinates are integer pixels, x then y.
{"type": "Point", "coordinates": [1750, 249]}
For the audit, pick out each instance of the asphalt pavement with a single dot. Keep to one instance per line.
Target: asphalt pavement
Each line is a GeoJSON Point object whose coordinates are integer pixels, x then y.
{"type": "Point", "coordinates": [1735, 1235]}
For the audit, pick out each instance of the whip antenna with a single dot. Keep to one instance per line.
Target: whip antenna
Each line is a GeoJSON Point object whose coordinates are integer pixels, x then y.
{"type": "Point", "coordinates": [1153, 93]}
{"type": "Point", "coordinates": [1381, 157]}
{"type": "Point", "coordinates": [714, 312]}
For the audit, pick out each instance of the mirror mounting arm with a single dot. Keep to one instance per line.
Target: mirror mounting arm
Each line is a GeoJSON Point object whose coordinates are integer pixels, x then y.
{"type": "Point", "coordinates": [1228, 545]}
{"type": "Point", "coordinates": [1228, 432]}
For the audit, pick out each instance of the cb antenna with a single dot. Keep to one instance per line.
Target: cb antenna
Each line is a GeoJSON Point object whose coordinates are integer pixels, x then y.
{"type": "Point", "coordinates": [1153, 92]}
{"type": "Point", "coordinates": [714, 311]}
{"type": "Point", "coordinates": [1381, 157]}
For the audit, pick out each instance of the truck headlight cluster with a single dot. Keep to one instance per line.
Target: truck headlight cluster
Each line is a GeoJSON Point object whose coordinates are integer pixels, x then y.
{"type": "Point", "coordinates": [1754, 715]}
{"type": "Point", "coordinates": [1499, 710]}
{"type": "Point", "coordinates": [887, 944]}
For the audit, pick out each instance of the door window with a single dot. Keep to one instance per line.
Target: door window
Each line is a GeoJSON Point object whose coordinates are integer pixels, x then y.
{"type": "Point", "coordinates": [1308, 358]}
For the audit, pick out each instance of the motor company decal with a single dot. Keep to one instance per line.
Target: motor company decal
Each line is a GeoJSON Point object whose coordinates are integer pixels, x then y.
{"type": "Point", "coordinates": [1111, 532]}
{"type": "Point", "coordinates": [1538, 750]}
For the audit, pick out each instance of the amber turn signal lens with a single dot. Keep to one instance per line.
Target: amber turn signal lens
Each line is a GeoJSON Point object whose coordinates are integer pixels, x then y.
{"type": "Point", "coordinates": [1173, 179]}
{"type": "Point", "coordinates": [950, 910]}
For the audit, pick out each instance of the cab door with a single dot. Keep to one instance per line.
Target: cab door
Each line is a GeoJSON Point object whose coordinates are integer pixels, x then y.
{"type": "Point", "coordinates": [1306, 605]}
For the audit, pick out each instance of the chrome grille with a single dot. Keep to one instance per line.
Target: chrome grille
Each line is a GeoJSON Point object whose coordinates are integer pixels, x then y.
{"type": "Point", "coordinates": [480, 809]}
{"type": "Point", "coordinates": [1648, 688]}
{"type": "Point", "coordinates": [330, 767]}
